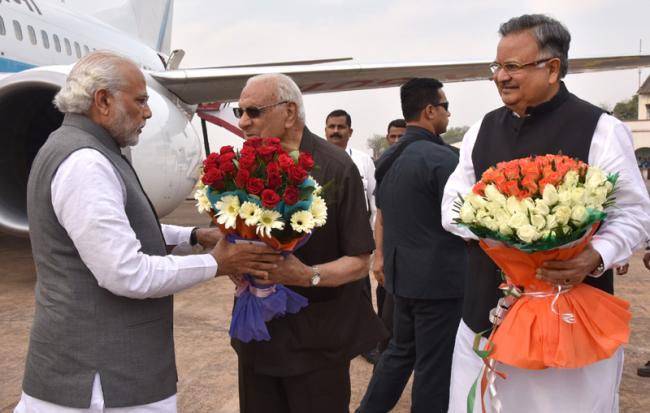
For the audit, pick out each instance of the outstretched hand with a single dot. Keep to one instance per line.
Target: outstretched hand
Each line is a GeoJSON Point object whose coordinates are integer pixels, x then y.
{"type": "Point", "coordinates": [570, 272]}
{"type": "Point", "coordinates": [208, 237]}
{"type": "Point", "coordinates": [291, 271]}
{"type": "Point", "coordinates": [256, 260]}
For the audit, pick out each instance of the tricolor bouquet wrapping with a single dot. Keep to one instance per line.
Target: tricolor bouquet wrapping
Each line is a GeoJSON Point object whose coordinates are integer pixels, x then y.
{"type": "Point", "coordinates": [528, 211]}
{"type": "Point", "coordinates": [264, 194]}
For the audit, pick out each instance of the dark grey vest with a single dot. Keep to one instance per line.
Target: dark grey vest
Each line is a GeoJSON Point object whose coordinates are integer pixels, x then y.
{"type": "Point", "coordinates": [80, 328]}
{"type": "Point", "coordinates": [565, 124]}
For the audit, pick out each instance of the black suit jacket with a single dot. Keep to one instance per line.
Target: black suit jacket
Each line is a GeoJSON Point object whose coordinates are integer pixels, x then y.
{"type": "Point", "coordinates": [421, 259]}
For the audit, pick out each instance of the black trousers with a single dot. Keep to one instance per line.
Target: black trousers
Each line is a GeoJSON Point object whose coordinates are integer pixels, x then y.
{"type": "Point", "coordinates": [423, 342]}
{"type": "Point", "coordinates": [385, 307]}
{"type": "Point", "coordinates": [320, 391]}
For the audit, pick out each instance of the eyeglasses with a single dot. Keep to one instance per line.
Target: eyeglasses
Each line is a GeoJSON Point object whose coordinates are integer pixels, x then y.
{"type": "Point", "coordinates": [254, 112]}
{"type": "Point", "coordinates": [444, 105]}
{"type": "Point", "coordinates": [511, 68]}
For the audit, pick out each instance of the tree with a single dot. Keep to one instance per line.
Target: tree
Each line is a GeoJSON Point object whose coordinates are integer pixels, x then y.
{"type": "Point", "coordinates": [454, 134]}
{"type": "Point", "coordinates": [378, 144]}
{"type": "Point", "coordinates": [627, 109]}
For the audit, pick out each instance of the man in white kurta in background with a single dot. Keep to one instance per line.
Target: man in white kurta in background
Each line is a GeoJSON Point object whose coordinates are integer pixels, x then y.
{"type": "Point", "coordinates": [338, 131]}
{"type": "Point", "coordinates": [102, 338]}
{"type": "Point", "coordinates": [540, 116]}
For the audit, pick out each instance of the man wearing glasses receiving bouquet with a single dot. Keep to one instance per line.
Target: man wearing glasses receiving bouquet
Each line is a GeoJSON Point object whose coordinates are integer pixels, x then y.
{"type": "Point", "coordinates": [304, 367]}
{"type": "Point", "coordinates": [540, 117]}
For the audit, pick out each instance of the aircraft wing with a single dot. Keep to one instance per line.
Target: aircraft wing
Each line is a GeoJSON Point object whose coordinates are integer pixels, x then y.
{"type": "Point", "coordinates": [224, 84]}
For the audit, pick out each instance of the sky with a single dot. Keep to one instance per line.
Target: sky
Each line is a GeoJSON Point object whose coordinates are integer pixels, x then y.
{"type": "Point", "coordinates": [381, 31]}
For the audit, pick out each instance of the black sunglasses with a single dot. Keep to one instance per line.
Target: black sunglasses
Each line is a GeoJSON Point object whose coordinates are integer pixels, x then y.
{"type": "Point", "coordinates": [444, 105]}
{"type": "Point", "coordinates": [254, 112]}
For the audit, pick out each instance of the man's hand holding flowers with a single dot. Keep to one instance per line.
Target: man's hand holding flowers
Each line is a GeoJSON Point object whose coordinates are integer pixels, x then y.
{"type": "Point", "coordinates": [572, 271]}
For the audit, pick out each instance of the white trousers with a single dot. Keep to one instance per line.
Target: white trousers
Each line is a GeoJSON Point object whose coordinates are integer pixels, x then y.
{"type": "Point", "coordinates": [29, 404]}
{"type": "Point", "coordinates": [591, 389]}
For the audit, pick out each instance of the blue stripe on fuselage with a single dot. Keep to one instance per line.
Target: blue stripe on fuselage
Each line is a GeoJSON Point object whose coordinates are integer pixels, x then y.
{"type": "Point", "coordinates": [12, 66]}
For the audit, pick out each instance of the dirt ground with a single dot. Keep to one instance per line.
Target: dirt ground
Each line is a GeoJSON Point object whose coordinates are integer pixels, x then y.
{"type": "Point", "coordinates": [208, 366]}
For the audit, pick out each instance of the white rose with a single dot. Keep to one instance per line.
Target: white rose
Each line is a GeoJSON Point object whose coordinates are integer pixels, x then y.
{"type": "Point", "coordinates": [493, 194]}
{"type": "Point", "coordinates": [513, 206]}
{"type": "Point", "coordinates": [570, 180]}
{"type": "Point", "coordinates": [562, 214]}
{"type": "Point", "coordinates": [551, 222]}
{"type": "Point", "coordinates": [501, 216]}
{"type": "Point", "coordinates": [528, 233]}
{"type": "Point", "coordinates": [578, 196]}
{"type": "Point", "coordinates": [492, 207]}
{"type": "Point", "coordinates": [480, 214]}
{"type": "Point", "coordinates": [528, 203]}
{"type": "Point", "coordinates": [595, 177]}
{"type": "Point", "coordinates": [596, 197]}
{"type": "Point", "coordinates": [504, 229]}
{"type": "Point", "coordinates": [518, 220]}
{"type": "Point", "coordinates": [489, 223]}
{"type": "Point", "coordinates": [475, 200]}
{"type": "Point", "coordinates": [538, 221]}
{"type": "Point", "coordinates": [579, 215]}
{"type": "Point", "coordinates": [467, 213]}
{"type": "Point", "coordinates": [541, 208]}
{"type": "Point", "coordinates": [609, 186]}
{"type": "Point", "coordinates": [564, 197]}
{"type": "Point", "coordinates": [550, 195]}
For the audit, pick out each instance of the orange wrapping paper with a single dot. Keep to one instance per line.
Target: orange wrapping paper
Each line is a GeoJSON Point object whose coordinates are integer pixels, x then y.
{"type": "Point", "coordinates": [532, 336]}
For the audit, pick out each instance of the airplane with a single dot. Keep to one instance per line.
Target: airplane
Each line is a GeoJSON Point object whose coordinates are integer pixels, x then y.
{"type": "Point", "coordinates": [41, 39]}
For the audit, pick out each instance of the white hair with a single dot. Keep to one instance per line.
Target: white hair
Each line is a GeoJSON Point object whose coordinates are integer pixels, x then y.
{"type": "Point", "coordinates": [95, 71]}
{"type": "Point", "coordinates": [287, 90]}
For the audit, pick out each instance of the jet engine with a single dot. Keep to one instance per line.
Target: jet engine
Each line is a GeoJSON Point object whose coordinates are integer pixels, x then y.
{"type": "Point", "coordinates": [166, 158]}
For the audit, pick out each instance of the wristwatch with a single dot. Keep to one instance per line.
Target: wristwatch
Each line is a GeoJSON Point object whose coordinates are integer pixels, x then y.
{"type": "Point", "coordinates": [193, 239]}
{"type": "Point", "coordinates": [599, 269]}
{"type": "Point", "coordinates": [315, 276]}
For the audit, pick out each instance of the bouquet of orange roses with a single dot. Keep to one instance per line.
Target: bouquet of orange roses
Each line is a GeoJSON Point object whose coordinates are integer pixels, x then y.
{"type": "Point", "coordinates": [528, 211]}
{"type": "Point", "coordinates": [264, 194]}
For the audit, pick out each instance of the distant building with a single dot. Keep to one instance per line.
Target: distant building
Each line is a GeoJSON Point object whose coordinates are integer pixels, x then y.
{"type": "Point", "coordinates": [644, 100]}
{"type": "Point", "coordinates": [641, 129]}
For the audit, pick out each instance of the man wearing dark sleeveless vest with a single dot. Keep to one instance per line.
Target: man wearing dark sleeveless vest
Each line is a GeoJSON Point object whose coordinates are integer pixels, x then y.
{"type": "Point", "coordinates": [541, 116]}
{"type": "Point", "coordinates": [102, 336]}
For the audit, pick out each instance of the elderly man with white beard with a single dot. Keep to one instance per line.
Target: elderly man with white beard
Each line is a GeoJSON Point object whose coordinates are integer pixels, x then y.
{"type": "Point", "coordinates": [102, 338]}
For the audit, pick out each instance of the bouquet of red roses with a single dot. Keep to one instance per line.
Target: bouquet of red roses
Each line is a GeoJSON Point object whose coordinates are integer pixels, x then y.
{"type": "Point", "coordinates": [528, 211]}
{"type": "Point", "coordinates": [265, 194]}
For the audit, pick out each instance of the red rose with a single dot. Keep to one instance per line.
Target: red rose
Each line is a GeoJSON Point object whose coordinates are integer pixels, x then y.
{"type": "Point", "coordinates": [266, 152]}
{"type": "Point", "coordinates": [247, 162]}
{"type": "Point", "coordinates": [227, 167]}
{"type": "Point", "coordinates": [213, 177]}
{"type": "Point", "coordinates": [273, 176]}
{"type": "Point", "coordinates": [270, 198]}
{"type": "Point", "coordinates": [273, 141]}
{"type": "Point", "coordinates": [285, 161]}
{"type": "Point", "coordinates": [529, 183]}
{"type": "Point", "coordinates": [242, 178]}
{"type": "Point", "coordinates": [306, 161]}
{"type": "Point", "coordinates": [211, 160]}
{"type": "Point", "coordinates": [291, 194]}
{"type": "Point", "coordinates": [255, 186]}
{"type": "Point", "coordinates": [225, 157]}
{"type": "Point", "coordinates": [297, 174]}
{"type": "Point", "coordinates": [511, 171]}
{"type": "Point", "coordinates": [248, 151]}
{"type": "Point", "coordinates": [226, 149]}
{"type": "Point", "coordinates": [254, 142]}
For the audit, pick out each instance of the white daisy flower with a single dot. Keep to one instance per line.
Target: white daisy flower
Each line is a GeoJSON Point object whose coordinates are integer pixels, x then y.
{"type": "Point", "coordinates": [302, 221]}
{"type": "Point", "coordinates": [202, 202]}
{"type": "Point", "coordinates": [228, 210]}
{"type": "Point", "coordinates": [268, 221]}
{"type": "Point", "coordinates": [250, 213]}
{"type": "Point", "coordinates": [318, 211]}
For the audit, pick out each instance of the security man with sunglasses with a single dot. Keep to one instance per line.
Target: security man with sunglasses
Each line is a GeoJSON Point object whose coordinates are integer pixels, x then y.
{"type": "Point", "coordinates": [305, 366]}
{"type": "Point", "coordinates": [424, 265]}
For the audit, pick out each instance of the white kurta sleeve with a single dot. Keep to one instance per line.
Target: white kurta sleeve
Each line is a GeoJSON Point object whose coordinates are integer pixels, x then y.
{"type": "Point", "coordinates": [88, 198]}
{"type": "Point", "coordinates": [460, 182]}
{"type": "Point", "coordinates": [628, 222]}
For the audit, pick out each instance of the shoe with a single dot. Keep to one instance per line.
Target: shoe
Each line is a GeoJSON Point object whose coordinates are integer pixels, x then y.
{"type": "Point", "coordinates": [371, 356]}
{"type": "Point", "coordinates": [644, 371]}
